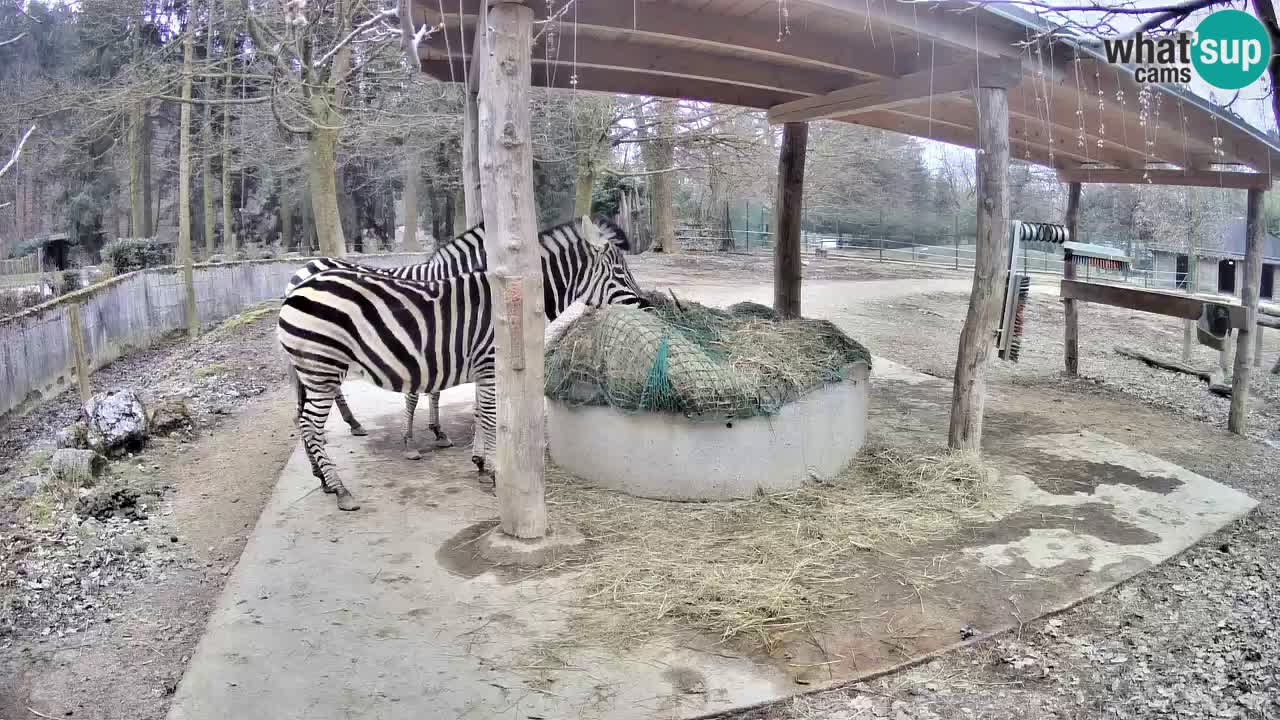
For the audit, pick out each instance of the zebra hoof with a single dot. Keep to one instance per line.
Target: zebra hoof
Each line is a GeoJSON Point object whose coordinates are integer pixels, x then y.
{"type": "Point", "coordinates": [479, 461]}
{"type": "Point", "coordinates": [358, 431]}
{"type": "Point", "coordinates": [442, 440]}
{"type": "Point", "coordinates": [412, 455]}
{"type": "Point", "coordinates": [346, 501]}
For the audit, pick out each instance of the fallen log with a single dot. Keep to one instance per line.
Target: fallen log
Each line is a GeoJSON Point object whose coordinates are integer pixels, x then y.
{"type": "Point", "coordinates": [1217, 384]}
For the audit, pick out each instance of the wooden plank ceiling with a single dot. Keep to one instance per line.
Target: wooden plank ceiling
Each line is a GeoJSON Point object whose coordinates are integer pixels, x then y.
{"type": "Point", "coordinates": [899, 66]}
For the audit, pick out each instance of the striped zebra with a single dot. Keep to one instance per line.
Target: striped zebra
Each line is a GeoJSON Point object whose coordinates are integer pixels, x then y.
{"type": "Point", "coordinates": [463, 254]}
{"type": "Point", "coordinates": [411, 336]}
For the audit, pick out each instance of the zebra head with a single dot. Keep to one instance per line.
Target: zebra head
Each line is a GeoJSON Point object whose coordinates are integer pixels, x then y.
{"type": "Point", "coordinates": [608, 280]}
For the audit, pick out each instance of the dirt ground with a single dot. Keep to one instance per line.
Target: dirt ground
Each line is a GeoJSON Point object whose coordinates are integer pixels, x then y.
{"type": "Point", "coordinates": [1192, 638]}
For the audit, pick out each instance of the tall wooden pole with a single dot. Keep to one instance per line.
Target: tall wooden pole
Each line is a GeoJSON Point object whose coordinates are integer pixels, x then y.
{"type": "Point", "coordinates": [989, 271]}
{"type": "Point", "coordinates": [506, 179]}
{"type": "Point", "coordinates": [472, 200]}
{"type": "Point", "coordinates": [1249, 298]}
{"type": "Point", "coordinates": [790, 203]}
{"type": "Point", "coordinates": [1072, 221]}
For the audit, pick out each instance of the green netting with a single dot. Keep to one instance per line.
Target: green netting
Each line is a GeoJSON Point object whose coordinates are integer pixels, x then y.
{"type": "Point", "coordinates": [696, 360]}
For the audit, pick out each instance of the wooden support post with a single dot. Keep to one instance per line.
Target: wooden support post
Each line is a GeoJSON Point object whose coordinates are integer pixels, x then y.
{"type": "Point", "coordinates": [989, 271]}
{"type": "Point", "coordinates": [506, 178]}
{"type": "Point", "coordinates": [1249, 299]}
{"type": "Point", "coordinates": [790, 205]}
{"type": "Point", "coordinates": [75, 334]}
{"type": "Point", "coordinates": [472, 199]}
{"type": "Point", "coordinates": [1257, 346]}
{"type": "Point", "coordinates": [1072, 325]}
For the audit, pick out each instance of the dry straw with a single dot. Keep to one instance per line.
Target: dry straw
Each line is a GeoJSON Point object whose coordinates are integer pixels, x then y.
{"type": "Point", "coordinates": [769, 566]}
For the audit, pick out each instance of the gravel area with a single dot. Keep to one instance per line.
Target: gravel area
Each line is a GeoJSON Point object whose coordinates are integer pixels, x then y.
{"type": "Point", "coordinates": [1197, 637]}
{"type": "Point", "coordinates": [118, 577]}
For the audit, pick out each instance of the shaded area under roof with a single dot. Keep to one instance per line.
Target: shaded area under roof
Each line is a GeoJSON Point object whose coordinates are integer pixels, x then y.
{"type": "Point", "coordinates": [1068, 107]}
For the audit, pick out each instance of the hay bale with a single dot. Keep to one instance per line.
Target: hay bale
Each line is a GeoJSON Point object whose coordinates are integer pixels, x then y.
{"type": "Point", "coordinates": [687, 358]}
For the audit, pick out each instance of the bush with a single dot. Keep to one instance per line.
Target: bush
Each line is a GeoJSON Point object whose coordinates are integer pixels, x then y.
{"type": "Point", "coordinates": [129, 254]}
{"type": "Point", "coordinates": [70, 280]}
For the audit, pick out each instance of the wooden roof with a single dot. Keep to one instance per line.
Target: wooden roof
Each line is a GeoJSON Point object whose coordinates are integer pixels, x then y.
{"type": "Point", "coordinates": [900, 66]}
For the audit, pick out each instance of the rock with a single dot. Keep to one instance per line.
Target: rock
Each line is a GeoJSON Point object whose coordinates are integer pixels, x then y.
{"type": "Point", "coordinates": [117, 422]}
{"type": "Point", "coordinates": [78, 468]}
{"type": "Point", "coordinates": [28, 486]}
{"type": "Point", "coordinates": [167, 416]}
{"type": "Point", "coordinates": [75, 435]}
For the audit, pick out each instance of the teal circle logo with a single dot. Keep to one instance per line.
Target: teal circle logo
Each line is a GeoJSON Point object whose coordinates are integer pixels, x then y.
{"type": "Point", "coordinates": [1232, 49]}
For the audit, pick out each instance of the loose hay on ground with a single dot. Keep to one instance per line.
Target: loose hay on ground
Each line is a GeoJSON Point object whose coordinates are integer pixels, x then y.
{"type": "Point", "coordinates": [765, 567]}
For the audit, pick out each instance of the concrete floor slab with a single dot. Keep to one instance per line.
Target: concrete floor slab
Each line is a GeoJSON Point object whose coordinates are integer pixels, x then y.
{"type": "Point", "coordinates": [385, 613]}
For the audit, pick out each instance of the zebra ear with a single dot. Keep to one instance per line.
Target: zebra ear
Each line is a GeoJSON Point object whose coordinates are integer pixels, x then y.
{"type": "Point", "coordinates": [591, 233]}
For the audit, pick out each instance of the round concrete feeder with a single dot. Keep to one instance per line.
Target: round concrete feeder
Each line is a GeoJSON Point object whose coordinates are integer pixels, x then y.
{"type": "Point", "coordinates": [671, 457]}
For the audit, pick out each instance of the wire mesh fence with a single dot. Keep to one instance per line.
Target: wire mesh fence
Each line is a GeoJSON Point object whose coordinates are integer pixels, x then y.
{"type": "Point", "coordinates": [37, 357]}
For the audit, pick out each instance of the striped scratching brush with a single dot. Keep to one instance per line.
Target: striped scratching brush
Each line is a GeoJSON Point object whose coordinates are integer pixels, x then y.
{"type": "Point", "coordinates": [1019, 310]}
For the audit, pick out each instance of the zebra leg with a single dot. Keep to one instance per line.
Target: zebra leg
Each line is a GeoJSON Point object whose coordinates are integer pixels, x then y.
{"type": "Point", "coordinates": [433, 421]}
{"type": "Point", "coordinates": [410, 404]}
{"type": "Point", "coordinates": [487, 430]}
{"type": "Point", "coordinates": [477, 429]}
{"type": "Point", "coordinates": [356, 428]}
{"type": "Point", "coordinates": [315, 406]}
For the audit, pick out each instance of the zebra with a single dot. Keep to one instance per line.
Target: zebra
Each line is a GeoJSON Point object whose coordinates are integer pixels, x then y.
{"type": "Point", "coordinates": [411, 336]}
{"type": "Point", "coordinates": [463, 254]}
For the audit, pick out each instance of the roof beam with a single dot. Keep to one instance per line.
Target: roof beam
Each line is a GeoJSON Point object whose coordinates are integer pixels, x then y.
{"type": "Point", "coordinates": [956, 28]}
{"type": "Point", "coordinates": [1230, 180]}
{"type": "Point", "coordinates": [608, 80]}
{"type": "Point", "coordinates": [689, 63]}
{"type": "Point", "coordinates": [958, 133]}
{"type": "Point", "coordinates": [893, 92]}
{"type": "Point", "coordinates": [710, 31]}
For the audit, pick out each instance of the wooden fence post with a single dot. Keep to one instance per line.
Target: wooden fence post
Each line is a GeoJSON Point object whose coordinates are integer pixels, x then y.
{"type": "Point", "coordinates": [506, 179]}
{"type": "Point", "coordinates": [790, 204]}
{"type": "Point", "coordinates": [1072, 325]}
{"type": "Point", "coordinates": [1249, 298]}
{"type": "Point", "coordinates": [989, 270]}
{"type": "Point", "coordinates": [75, 334]}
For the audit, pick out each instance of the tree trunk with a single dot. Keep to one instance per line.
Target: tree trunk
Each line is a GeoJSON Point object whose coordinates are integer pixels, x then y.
{"type": "Point", "coordinates": [206, 143]}
{"type": "Point", "coordinates": [139, 219]}
{"type": "Point", "coordinates": [660, 185]}
{"type": "Point", "coordinates": [184, 188]}
{"type": "Point", "coordinates": [286, 220]}
{"type": "Point", "coordinates": [447, 231]}
{"type": "Point", "coordinates": [433, 205]}
{"type": "Point", "coordinates": [990, 257]}
{"type": "Point", "coordinates": [585, 182]}
{"type": "Point", "coordinates": [150, 207]}
{"type": "Point", "coordinates": [324, 192]}
{"type": "Point", "coordinates": [411, 166]}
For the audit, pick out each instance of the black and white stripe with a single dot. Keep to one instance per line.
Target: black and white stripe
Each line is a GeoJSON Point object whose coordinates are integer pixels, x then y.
{"type": "Point", "coordinates": [412, 336]}
{"type": "Point", "coordinates": [463, 254]}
